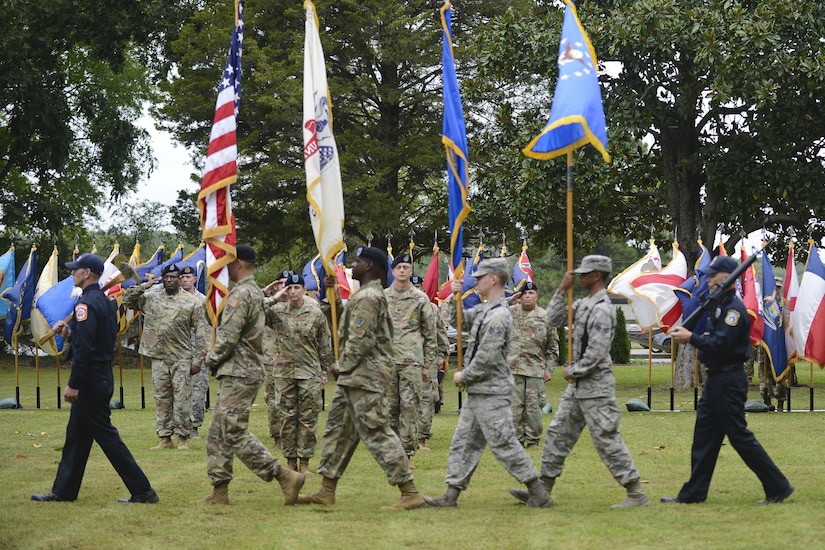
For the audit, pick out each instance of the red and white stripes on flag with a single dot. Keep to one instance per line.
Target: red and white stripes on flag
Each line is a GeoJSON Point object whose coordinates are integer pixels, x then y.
{"type": "Point", "coordinates": [221, 171]}
{"type": "Point", "coordinates": [808, 316]}
{"type": "Point", "coordinates": [321, 162]}
{"type": "Point", "coordinates": [790, 290]}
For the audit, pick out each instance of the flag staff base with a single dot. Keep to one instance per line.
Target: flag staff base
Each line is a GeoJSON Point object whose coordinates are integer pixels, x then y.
{"type": "Point", "coordinates": [649, 395]}
{"type": "Point", "coordinates": [142, 397]}
{"type": "Point", "coordinates": [38, 396]}
{"type": "Point", "coordinates": [17, 397]}
{"type": "Point", "coordinates": [672, 397]}
{"type": "Point", "coordinates": [59, 403]}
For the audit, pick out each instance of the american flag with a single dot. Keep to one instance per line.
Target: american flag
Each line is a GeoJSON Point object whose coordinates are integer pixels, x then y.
{"type": "Point", "coordinates": [221, 171]}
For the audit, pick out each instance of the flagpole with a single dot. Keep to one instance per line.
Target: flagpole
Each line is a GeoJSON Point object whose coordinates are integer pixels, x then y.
{"type": "Point", "coordinates": [570, 256]}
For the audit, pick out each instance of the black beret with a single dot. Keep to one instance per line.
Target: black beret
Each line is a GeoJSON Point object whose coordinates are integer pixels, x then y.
{"type": "Point", "coordinates": [294, 279]}
{"type": "Point", "coordinates": [171, 268]}
{"type": "Point", "coordinates": [402, 259]}
{"type": "Point", "coordinates": [529, 285]}
{"type": "Point", "coordinates": [416, 279]}
{"type": "Point", "coordinates": [245, 253]}
{"type": "Point", "coordinates": [283, 274]}
{"type": "Point", "coordinates": [374, 255]}
{"type": "Point", "coordinates": [188, 270]}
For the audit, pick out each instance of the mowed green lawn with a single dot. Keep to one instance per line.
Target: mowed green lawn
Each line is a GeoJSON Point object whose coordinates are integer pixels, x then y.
{"type": "Point", "coordinates": [487, 516]}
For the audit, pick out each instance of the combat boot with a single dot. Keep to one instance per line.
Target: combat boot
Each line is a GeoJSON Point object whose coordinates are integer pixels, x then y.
{"type": "Point", "coordinates": [292, 464]}
{"type": "Point", "coordinates": [325, 496]}
{"type": "Point", "coordinates": [182, 444]}
{"type": "Point", "coordinates": [220, 494]}
{"type": "Point", "coordinates": [410, 498]}
{"type": "Point", "coordinates": [165, 443]}
{"type": "Point", "coordinates": [291, 482]}
{"type": "Point", "coordinates": [635, 496]}
{"type": "Point", "coordinates": [448, 500]}
{"type": "Point", "coordinates": [422, 445]}
{"type": "Point", "coordinates": [304, 467]}
{"type": "Point", "coordinates": [538, 495]}
{"type": "Point", "coordinates": [524, 496]}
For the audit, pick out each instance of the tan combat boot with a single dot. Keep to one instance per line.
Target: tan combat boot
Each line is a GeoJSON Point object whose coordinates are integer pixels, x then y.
{"type": "Point", "coordinates": [292, 464]}
{"type": "Point", "coordinates": [165, 443]}
{"type": "Point", "coordinates": [304, 467]}
{"type": "Point", "coordinates": [291, 482]}
{"type": "Point", "coordinates": [182, 444]}
{"type": "Point", "coordinates": [524, 496]}
{"type": "Point", "coordinates": [220, 494]}
{"type": "Point", "coordinates": [635, 496]}
{"type": "Point", "coordinates": [325, 496]}
{"type": "Point", "coordinates": [410, 498]}
{"type": "Point", "coordinates": [422, 445]}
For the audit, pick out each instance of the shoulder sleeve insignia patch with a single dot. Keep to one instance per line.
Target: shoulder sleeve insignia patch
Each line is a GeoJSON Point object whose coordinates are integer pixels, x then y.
{"type": "Point", "coordinates": [732, 317]}
{"type": "Point", "coordinates": [360, 322]}
{"type": "Point", "coordinates": [81, 312]}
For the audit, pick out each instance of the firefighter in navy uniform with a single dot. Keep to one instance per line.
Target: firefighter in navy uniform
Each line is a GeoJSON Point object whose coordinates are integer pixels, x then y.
{"type": "Point", "coordinates": [92, 330]}
{"type": "Point", "coordinates": [721, 410]}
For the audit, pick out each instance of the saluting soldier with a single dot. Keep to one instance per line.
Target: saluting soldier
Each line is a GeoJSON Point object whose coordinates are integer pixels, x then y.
{"type": "Point", "coordinates": [272, 395]}
{"type": "Point", "coordinates": [200, 380]}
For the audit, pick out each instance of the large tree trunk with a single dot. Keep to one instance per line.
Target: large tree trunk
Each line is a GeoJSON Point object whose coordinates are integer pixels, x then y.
{"type": "Point", "coordinates": [685, 375]}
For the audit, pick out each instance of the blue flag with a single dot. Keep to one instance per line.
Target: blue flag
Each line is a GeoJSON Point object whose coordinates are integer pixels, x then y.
{"type": "Point", "coordinates": [691, 291]}
{"type": "Point", "coordinates": [454, 138]}
{"type": "Point", "coordinates": [20, 297]}
{"type": "Point", "coordinates": [175, 258]}
{"type": "Point", "coordinates": [145, 268]}
{"type": "Point", "coordinates": [313, 275]}
{"type": "Point", "coordinates": [773, 339]}
{"type": "Point", "coordinates": [52, 306]}
{"type": "Point", "coordinates": [197, 260]}
{"type": "Point", "coordinates": [577, 113]}
{"type": "Point", "coordinates": [6, 278]}
{"type": "Point", "coordinates": [469, 294]}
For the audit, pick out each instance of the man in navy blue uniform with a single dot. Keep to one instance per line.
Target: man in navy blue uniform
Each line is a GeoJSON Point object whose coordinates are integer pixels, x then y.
{"type": "Point", "coordinates": [721, 411]}
{"type": "Point", "coordinates": [92, 330]}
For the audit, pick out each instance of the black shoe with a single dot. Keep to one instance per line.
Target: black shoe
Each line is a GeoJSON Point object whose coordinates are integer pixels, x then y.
{"type": "Point", "coordinates": [147, 498]}
{"type": "Point", "coordinates": [678, 500]}
{"type": "Point", "coordinates": [49, 497]}
{"type": "Point", "coordinates": [776, 499]}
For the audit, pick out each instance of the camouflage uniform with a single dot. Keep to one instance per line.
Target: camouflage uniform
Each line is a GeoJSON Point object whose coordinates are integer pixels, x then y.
{"type": "Point", "coordinates": [590, 399]}
{"type": "Point", "coordinates": [272, 394]}
{"type": "Point", "coordinates": [429, 389]}
{"type": "Point", "coordinates": [304, 355]}
{"type": "Point", "coordinates": [486, 417]}
{"type": "Point", "coordinates": [237, 362]}
{"type": "Point", "coordinates": [167, 339]}
{"type": "Point", "coordinates": [200, 381]}
{"type": "Point", "coordinates": [359, 409]}
{"type": "Point", "coordinates": [534, 352]}
{"type": "Point", "coordinates": [414, 346]}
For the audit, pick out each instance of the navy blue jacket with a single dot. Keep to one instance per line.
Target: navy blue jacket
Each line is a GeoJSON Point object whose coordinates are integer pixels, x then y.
{"type": "Point", "coordinates": [727, 341]}
{"type": "Point", "coordinates": [93, 333]}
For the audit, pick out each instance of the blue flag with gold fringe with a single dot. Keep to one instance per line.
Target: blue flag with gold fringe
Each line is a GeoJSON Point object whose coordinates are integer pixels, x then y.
{"type": "Point", "coordinates": [577, 112]}
{"type": "Point", "coordinates": [20, 297]}
{"type": "Point", "coordinates": [6, 277]}
{"type": "Point", "coordinates": [454, 138]}
{"type": "Point", "coordinates": [773, 339]}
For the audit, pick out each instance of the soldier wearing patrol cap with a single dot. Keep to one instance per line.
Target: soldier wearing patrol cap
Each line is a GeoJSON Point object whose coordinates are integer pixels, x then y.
{"type": "Point", "coordinates": [272, 395]}
{"type": "Point", "coordinates": [200, 380]}
{"type": "Point", "coordinates": [414, 346]}
{"type": "Point", "coordinates": [304, 357]}
{"type": "Point", "coordinates": [170, 320]}
{"type": "Point", "coordinates": [721, 410]}
{"type": "Point", "coordinates": [590, 397]}
{"type": "Point", "coordinates": [359, 409]}
{"type": "Point", "coordinates": [486, 418]}
{"type": "Point", "coordinates": [534, 352]}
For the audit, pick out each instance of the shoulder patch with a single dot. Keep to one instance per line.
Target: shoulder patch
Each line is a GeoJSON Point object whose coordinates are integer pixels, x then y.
{"type": "Point", "coordinates": [232, 302]}
{"type": "Point", "coordinates": [360, 322]}
{"type": "Point", "coordinates": [732, 317]}
{"type": "Point", "coordinates": [81, 312]}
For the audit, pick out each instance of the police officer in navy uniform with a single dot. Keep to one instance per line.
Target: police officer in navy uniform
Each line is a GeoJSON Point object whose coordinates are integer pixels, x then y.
{"type": "Point", "coordinates": [721, 410]}
{"type": "Point", "coordinates": [92, 330]}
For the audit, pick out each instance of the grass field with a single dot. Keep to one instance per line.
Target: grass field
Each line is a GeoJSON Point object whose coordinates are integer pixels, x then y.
{"type": "Point", "coordinates": [487, 517]}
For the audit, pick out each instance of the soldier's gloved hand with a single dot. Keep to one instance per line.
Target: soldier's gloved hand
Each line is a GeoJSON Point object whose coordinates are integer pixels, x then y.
{"type": "Point", "coordinates": [334, 370]}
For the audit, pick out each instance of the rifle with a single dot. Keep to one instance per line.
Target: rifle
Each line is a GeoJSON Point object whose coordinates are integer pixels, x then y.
{"type": "Point", "coordinates": [710, 301]}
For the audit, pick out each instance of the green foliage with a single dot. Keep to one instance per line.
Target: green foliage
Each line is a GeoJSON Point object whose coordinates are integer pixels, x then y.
{"type": "Point", "coordinates": [620, 347]}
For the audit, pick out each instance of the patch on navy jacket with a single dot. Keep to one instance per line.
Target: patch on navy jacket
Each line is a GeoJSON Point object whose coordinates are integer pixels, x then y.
{"type": "Point", "coordinates": [732, 317]}
{"type": "Point", "coordinates": [81, 312]}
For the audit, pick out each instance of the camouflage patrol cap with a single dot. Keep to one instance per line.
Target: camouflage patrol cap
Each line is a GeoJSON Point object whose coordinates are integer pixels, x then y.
{"type": "Point", "coordinates": [594, 262]}
{"type": "Point", "coordinates": [495, 266]}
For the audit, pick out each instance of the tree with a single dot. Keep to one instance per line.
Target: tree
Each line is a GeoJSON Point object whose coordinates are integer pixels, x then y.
{"type": "Point", "coordinates": [620, 347]}
{"type": "Point", "coordinates": [384, 71]}
{"type": "Point", "coordinates": [74, 80]}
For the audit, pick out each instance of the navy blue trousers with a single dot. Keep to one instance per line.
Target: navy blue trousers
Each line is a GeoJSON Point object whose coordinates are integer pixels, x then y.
{"type": "Point", "coordinates": [720, 413]}
{"type": "Point", "coordinates": [90, 421]}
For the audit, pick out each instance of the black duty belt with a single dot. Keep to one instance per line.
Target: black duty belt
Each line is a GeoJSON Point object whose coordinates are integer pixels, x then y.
{"type": "Point", "coordinates": [726, 368]}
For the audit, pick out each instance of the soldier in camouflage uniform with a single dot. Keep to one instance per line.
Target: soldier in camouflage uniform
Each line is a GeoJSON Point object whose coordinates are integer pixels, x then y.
{"type": "Point", "coordinates": [272, 394]}
{"type": "Point", "coordinates": [429, 387]}
{"type": "Point", "coordinates": [486, 418]}
{"type": "Point", "coordinates": [170, 319]}
{"type": "Point", "coordinates": [590, 397]}
{"type": "Point", "coordinates": [414, 345]}
{"type": "Point", "coordinates": [304, 358]}
{"type": "Point", "coordinates": [237, 361]}
{"type": "Point", "coordinates": [534, 352]}
{"type": "Point", "coordinates": [200, 381]}
{"type": "Point", "coordinates": [359, 409]}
